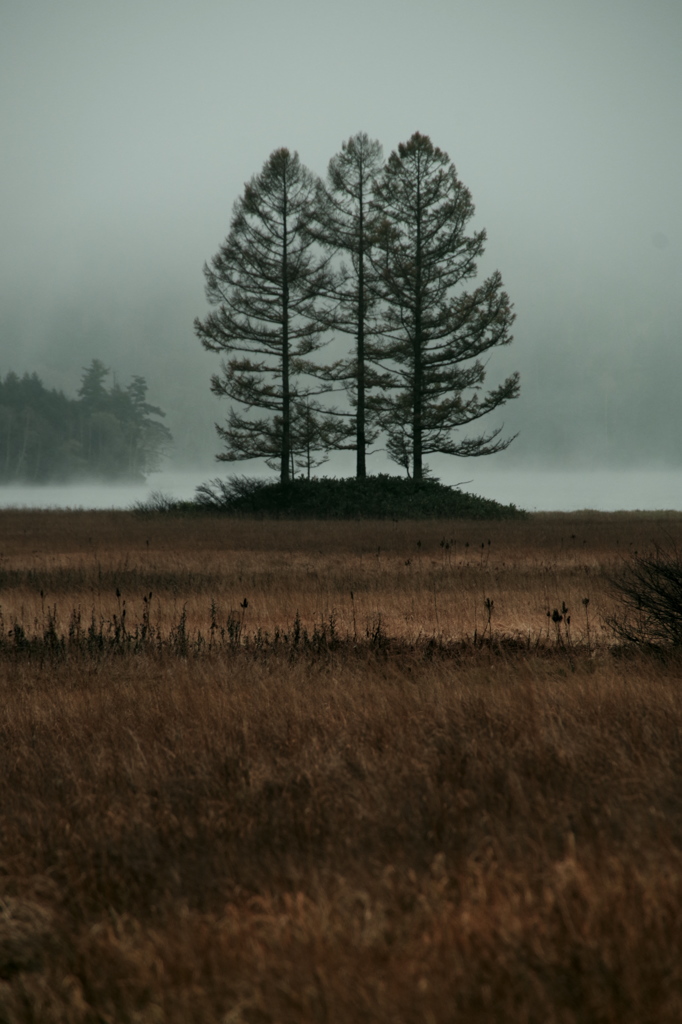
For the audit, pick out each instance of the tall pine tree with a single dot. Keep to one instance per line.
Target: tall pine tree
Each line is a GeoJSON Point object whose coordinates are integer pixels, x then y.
{"type": "Point", "coordinates": [346, 224]}
{"type": "Point", "coordinates": [434, 332]}
{"type": "Point", "coordinates": [265, 283]}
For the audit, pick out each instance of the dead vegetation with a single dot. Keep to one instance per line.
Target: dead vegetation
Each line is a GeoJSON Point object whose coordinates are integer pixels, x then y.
{"type": "Point", "coordinates": [416, 578]}
{"type": "Point", "coordinates": [475, 831]}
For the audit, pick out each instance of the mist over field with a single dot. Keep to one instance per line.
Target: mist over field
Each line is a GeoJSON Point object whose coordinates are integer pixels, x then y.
{"type": "Point", "coordinates": [547, 490]}
{"type": "Point", "coordinates": [129, 132]}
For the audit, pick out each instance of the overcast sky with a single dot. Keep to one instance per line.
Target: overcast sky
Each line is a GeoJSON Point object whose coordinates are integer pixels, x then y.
{"type": "Point", "coordinates": [129, 129]}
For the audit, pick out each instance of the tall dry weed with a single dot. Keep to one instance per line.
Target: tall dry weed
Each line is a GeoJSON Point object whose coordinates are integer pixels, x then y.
{"type": "Point", "coordinates": [362, 832]}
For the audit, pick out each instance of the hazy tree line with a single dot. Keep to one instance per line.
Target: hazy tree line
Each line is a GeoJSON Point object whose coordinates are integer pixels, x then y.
{"type": "Point", "coordinates": [378, 252]}
{"type": "Point", "coordinates": [107, 432]}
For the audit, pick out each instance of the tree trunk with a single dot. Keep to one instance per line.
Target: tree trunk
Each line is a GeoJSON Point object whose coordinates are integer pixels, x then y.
{"type": "Point", "coordinates": [418, 383]}
{"type": "Point", "coordinates": [361, 444]}
{"type": "Point", "coordinates": [286, 399]}
{"type": "Point", "coordinates": [417, 465]}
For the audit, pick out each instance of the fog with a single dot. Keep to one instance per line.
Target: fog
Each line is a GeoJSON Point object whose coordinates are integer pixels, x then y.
{"type": "Point", "coordinates": [605, 490]}
{"type": "Point", "coordinates": [130, 129]}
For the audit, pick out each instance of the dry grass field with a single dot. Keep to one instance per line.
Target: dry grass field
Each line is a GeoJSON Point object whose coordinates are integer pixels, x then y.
{"type": "Point", "coordinates": [335, 772]}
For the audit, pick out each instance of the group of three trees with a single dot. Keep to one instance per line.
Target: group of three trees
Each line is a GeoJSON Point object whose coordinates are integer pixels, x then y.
{"type": "Point", "coordinates": [378, 251]}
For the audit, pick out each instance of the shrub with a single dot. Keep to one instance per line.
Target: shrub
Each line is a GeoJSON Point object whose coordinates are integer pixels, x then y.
{"type": "Point", "coordinates": [156, 502]}
{"type": "Point", "coordinates": [650, 590]}
{"type": "Point", "coordinates": [225, 495]}
{"type": "Point", "coordinates": [377, 497]}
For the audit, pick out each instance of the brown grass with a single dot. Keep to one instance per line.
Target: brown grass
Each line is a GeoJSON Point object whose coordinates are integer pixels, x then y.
{"type": "Point", "coordinates": [360, 833]}
{"type": "Point", "coordinates": [402, 572]}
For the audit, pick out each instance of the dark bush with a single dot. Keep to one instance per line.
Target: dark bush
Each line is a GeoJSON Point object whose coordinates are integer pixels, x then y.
{"type": "Point", "coordinates": [377, 497]}
{"type": "Point", "coordinates": [650, 590]}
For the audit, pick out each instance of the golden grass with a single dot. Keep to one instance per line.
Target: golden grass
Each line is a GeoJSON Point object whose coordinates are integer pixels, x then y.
{"type": "Point", "coordinates": [355, 835]}
{"type": "Point", "coordinates": [420, 578]}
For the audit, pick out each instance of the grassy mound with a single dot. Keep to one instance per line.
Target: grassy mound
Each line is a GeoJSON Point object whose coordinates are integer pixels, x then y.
{"type": "Point", "coordinates": [377, 497]}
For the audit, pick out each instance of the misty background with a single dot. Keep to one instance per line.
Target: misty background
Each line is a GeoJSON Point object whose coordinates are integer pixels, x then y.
{"type": "Point", "coordinates": [130, 129]}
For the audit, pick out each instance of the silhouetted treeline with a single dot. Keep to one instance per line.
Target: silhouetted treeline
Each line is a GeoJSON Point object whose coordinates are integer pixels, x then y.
{"type": "Point", "coordinates": [108, 432]}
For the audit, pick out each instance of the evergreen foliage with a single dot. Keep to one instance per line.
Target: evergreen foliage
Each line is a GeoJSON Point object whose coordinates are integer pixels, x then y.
{"type": "Point", "coordinates": [433, 335]}
{"type": "Point", "coordinates": [380, 253]}
{"type": "Point", "coordinates": [346, 225]}
{"type": "Point", "coordinates": [266, 281]}
{"type": "Point", "coordinates": [107, 433]}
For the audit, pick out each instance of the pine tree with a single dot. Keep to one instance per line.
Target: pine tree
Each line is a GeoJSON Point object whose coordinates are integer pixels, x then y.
{"type": "Point", "coordinates": [266, 281]}
{"type": "Point", "coordinates": [118, 435]}
{"type": "Point", "coordinates": [92, 391]}
{"type": "Point", "coordinates": [147, 439]}
{"type": "Point", "coordinates": [346, 224]}
{"type": "Point", "coordinates": [434, 333]}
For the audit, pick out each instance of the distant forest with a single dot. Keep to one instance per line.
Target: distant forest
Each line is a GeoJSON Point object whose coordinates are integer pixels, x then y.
{"type": "Point", "coordinates": [106, 432]}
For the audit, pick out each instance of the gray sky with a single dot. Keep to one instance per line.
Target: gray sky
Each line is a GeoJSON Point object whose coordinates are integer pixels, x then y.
{"type": "Point", "coordinates": [129, 129]}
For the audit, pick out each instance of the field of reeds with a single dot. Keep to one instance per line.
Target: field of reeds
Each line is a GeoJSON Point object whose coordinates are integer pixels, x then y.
{"type": "Point", "coordinates": [269, 771]}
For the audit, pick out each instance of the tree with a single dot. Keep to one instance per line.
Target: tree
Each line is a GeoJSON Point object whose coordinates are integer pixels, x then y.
{"type": "Point", "coordinates": [433, 335]}
{"type": "Point", "coordinates": [147, 440]}
{"type": "Point", "coordinates": [119, 435]}
{"type": "Point", "coordinates": [105, 432]}
{"type": "Point", "coordinates": [37, 431]}
{"type": "Point", "coordinates": [92, 391]}
{"type": "Point", "coordinates": [345, 223]}
{"type": "Point", "coordinates": [313, 436]}
{"type": "Point", "coordinates": [266, 281]}
{"type": "Point", "coordinates": [97, 427]}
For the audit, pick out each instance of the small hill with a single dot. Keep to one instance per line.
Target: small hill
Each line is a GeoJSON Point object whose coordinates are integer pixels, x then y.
{"type": "Point", "coordinates": [377, 497]}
